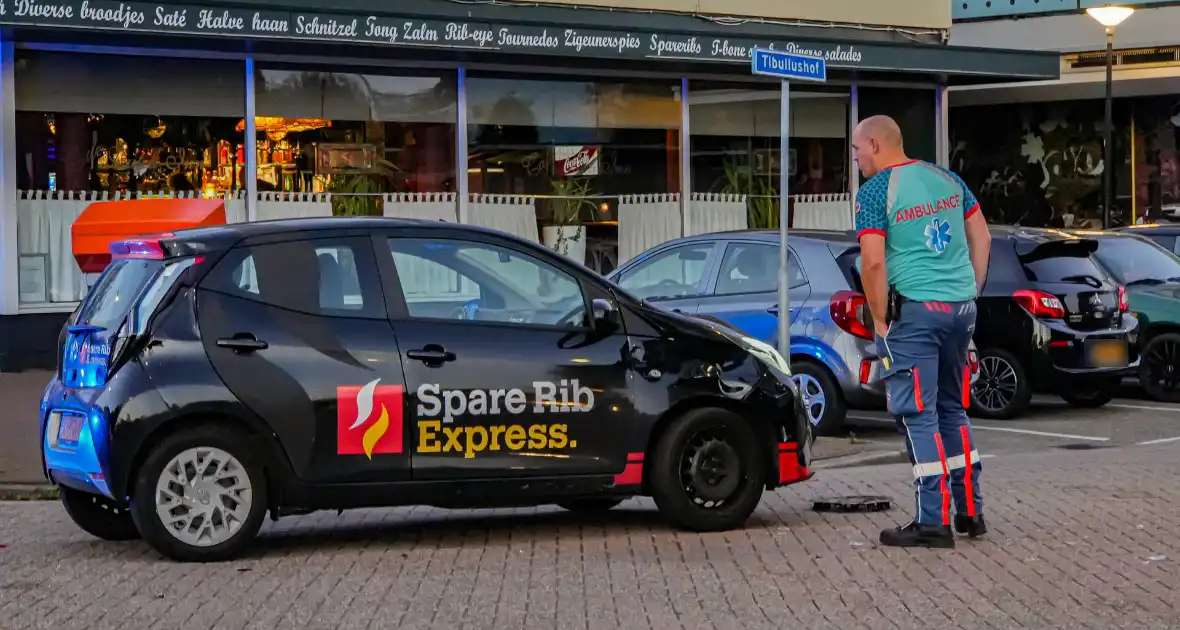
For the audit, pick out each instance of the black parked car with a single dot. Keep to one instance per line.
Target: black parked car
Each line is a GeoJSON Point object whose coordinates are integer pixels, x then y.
{"type": "Point", "coordinates": [217, 374]}
{"type": "Point", "coordinates": [1050, 320]}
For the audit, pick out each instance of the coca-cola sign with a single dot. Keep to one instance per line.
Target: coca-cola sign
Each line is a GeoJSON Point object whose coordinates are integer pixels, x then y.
{"type": "Point", "coordinates": [575, 161]}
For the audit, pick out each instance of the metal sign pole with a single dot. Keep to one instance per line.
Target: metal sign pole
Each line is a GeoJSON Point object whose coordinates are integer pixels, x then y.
{"type": "Point", "coordinates": [784, 215]}
{"type": "Point", "coordinates": [785, 66]}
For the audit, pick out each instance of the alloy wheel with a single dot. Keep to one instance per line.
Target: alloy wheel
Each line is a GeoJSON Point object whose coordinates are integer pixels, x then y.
{"type": "Point", "coordinates": [711, 470]}
{"type": "Point", "coordinates": [203, 496]}
{"type": "Point", "coordinates": [996, 387]}
{"type": "Point", "coordinates": [1163, 365]}
{"type": "Point", "coordinates": [814, 399]}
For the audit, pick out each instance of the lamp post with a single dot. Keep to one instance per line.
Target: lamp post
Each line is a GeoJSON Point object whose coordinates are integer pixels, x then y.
{"type": "Point", "coordinates": [1109, 16]}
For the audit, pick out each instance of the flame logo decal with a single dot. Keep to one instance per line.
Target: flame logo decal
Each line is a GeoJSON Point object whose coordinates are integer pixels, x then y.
{"type": "Point", "coordinates": [364, 409]}
{"type": "Point", "coordinates": [364, 403]}
{"type": "Point", "coordinates": [374, 433]}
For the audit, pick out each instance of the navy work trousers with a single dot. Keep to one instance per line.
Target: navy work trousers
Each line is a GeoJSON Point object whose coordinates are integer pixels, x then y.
{"type": "Point", "coordinates": [928, 385]}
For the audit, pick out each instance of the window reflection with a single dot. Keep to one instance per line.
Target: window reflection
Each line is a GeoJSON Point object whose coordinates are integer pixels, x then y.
{"type": "Point", "coordinates": [357, 135]}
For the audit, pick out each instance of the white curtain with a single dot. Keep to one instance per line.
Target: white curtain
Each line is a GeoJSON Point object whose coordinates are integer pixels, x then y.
{"type": "Point", "coordinates": [823, 212]}
{"type": "Point", "coordinates": [285, 205]}
{"type": "Point", "coordinates": [646, 221]}
{"type": "Point", "coordinates": [235, 207]}
{"type": "Point", "coordinates": [428, 206]}
{"type": "Point", "coordinates": [715, 212]}
{"type": "Point", "coordinates": [45, 219]}
{"type": "Point", "coordinates": [514, 214]}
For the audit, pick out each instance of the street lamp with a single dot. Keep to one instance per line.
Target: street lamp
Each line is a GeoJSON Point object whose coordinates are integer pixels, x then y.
{"type": "Point", "coordinates": [1109, 16]}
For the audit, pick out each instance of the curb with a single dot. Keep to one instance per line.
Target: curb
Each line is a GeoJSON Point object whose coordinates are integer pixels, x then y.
{"type": "Point", "coordinates": [28, 492]}
{"type": "Point", "coordinates": [871, 458]}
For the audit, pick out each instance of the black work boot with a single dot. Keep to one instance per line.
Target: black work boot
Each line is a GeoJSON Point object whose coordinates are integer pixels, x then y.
{"type": "Point", "coordinates": [919, 535]}
{"type": "Point", "coordinates": [970, 526]}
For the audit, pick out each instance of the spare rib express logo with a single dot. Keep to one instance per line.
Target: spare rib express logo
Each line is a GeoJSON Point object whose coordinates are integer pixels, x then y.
{"type": "Point", "coordinates": [369, 418]}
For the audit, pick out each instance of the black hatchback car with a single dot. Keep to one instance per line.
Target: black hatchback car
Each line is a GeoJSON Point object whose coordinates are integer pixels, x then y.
{"type": "Point", "coordinates": [1050, 320]}
{"type": "Point", "coordinates": [217, 374]}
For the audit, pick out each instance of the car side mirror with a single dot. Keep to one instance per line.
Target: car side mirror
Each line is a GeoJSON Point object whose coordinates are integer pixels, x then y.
{"type": "Point", "coordinates": [604, 313]}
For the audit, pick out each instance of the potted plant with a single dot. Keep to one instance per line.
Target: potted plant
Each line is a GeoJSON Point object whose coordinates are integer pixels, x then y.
{"type": "Point", "coordinates": [359, 194]}
{"type": "Point", "coordinates": [762, 193]}
{"type": "Point", "coordinates": [565, 233]}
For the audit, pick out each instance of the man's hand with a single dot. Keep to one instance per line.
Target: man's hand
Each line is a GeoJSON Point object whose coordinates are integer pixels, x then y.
{"type": "Point", "coordinates": [881, 328]}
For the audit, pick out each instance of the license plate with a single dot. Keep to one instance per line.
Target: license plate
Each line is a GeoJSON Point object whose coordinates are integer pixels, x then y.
{"type": "Point", "coordinates": [1107, 352]}
{"type": "Point", "coordinates": [69, 432]}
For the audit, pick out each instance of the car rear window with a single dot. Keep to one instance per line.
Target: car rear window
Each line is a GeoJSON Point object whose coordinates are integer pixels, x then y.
{"type": "Point", "coordinates": [114, 294]}
{"type": "Point", "coordinates": [847, 263]}
{"type": "Point", "coordinates": [1070, 269]}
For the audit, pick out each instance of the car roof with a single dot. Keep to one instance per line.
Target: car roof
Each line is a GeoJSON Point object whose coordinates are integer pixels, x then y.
{"type": "Point", "coordinates": [1042, 235]}
{"type": "Point", "coordinates": [1169, 229]}
{"type": "Point", "coordinates": [227, 235]}
{"type": "Point", "coordinates": [772, 236]}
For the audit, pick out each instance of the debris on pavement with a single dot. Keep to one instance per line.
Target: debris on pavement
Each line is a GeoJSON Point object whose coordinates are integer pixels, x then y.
{"type": "Point", "coordinates": [1160, 558]}
{"type": "Point", "coordinates": [856, 503]}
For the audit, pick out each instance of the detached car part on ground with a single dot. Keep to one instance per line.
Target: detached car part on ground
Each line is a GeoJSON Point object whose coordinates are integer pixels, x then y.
{"type": "Point", "coordinates": [214, 375]}
{"type": "Point", "coordinates": [1050, 320]}
{"type": "Point", "coordinates": [732, 278]}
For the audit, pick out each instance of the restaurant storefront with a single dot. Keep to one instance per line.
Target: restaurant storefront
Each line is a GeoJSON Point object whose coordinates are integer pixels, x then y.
{"type": "Point", "coordinates": [586, 133]}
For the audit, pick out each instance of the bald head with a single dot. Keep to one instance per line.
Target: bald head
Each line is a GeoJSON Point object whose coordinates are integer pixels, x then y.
{"type": "Point", "coordinates": [877, 144]}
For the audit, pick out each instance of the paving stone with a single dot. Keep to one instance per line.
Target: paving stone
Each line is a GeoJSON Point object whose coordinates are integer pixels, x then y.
{"type": "Point", "coordinates": [1073, 534]}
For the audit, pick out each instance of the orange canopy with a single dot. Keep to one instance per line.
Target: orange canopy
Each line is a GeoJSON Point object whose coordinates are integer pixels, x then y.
{"type": "Point", "coordinates": [104, 222]}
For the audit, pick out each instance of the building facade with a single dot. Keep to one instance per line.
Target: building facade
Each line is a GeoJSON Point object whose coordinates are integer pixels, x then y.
{"type": "Point", "coordinates": [634, 121]}
{"type": "Point", "coordinates": [1033, 151]}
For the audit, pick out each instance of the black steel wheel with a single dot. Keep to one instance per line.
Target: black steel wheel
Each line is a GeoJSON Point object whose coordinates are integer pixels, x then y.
{"type": "Point", "coordinates": [1002, 390]}
{"type": "Point", "coordinates": [709, 471]}
{"type": "Point", "coordinates": [1159, 367]}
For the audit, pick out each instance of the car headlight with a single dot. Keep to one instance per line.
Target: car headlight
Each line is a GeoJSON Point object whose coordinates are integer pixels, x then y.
{"type": "Point", "coordinates": [766, 352]}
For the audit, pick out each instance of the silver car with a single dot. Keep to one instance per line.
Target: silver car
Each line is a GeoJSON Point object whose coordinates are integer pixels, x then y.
{"type": "Point", "coordinates": [733, 277]}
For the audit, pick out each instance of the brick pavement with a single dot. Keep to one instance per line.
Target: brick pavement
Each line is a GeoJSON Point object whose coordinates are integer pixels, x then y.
{"type": "Point", "coordinates": [1072, 534]}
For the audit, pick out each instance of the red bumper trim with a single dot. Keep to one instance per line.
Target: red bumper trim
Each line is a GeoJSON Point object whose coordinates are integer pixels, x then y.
{"type": "Point", "coordinates": [632, 474]}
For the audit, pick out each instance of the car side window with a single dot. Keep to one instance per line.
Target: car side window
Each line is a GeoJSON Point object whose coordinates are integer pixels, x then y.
{"type": "Point", "coordinates": [331, 277]}
{"type": "Point", "coordinates": [753, 268]}
{"type": "Point", "coordinates": [482, 282]}
{"type": "Point", "coordinates": [671, 274]}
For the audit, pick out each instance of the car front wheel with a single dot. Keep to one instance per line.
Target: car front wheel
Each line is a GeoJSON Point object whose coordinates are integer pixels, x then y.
{"type": "Point", "coordinates": [1002, 390]}
{"type": "Point", "coordinates": [200, 496]}
{"type": "Point", "coordinates": [709, 470]}
{"type": "Point", "coordinates": [98, 516]}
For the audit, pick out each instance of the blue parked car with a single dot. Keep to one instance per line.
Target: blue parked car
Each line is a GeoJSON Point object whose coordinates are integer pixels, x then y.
{"type": "Point", "coordinates": [733, 277]}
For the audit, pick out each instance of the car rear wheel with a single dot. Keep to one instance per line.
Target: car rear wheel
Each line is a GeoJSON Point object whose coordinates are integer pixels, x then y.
{"type": "Point", "coordinates": [821, 398]}
{"type": "Point", "coordinates": [200, 496]}
{"type": "Point", "coordinates": [709, 470]}
{"type": "Point", "coordinates": [1091, 394]}
{"type": "Point", "coordinates": [98, 516]}
{"type": "Point", "coordinates": [1159, 368]}
{"type": "Point", "coordinates": [604, 504]}
{"type": "Point", "coordinates": [1002, 390]}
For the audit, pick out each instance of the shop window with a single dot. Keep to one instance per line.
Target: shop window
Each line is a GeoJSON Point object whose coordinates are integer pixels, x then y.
{"type": "Point", "coordinates": [358, 136]}
{"type": "Point", "coordinates": [92, 127]}
{"type": "Point", "coordinates": [573, 151]}
{"type": "Point", "coordinates": [735, 142]}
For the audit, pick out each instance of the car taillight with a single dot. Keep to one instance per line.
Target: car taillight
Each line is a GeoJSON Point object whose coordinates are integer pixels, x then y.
{"type": "Point", "coordinates": [1124, 306]}
{"type": "Point", "coordinates": [1040, 304]}
{"type": "Point", "coordinates": [973, 361]}
{"type": "Point", "coordinates": [849, 311]}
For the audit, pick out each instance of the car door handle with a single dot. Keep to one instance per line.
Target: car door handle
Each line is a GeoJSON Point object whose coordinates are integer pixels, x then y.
{"type": "Point", "coordinates": [774, 310]}
{"type": "Point", "coordinates": [242, 342]}
{"type": "Point", "coordinates": [431, 355]}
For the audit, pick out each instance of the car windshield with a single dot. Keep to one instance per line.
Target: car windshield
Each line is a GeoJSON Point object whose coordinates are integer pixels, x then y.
{"type": "Point", "coordinates": [1134, 261]}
